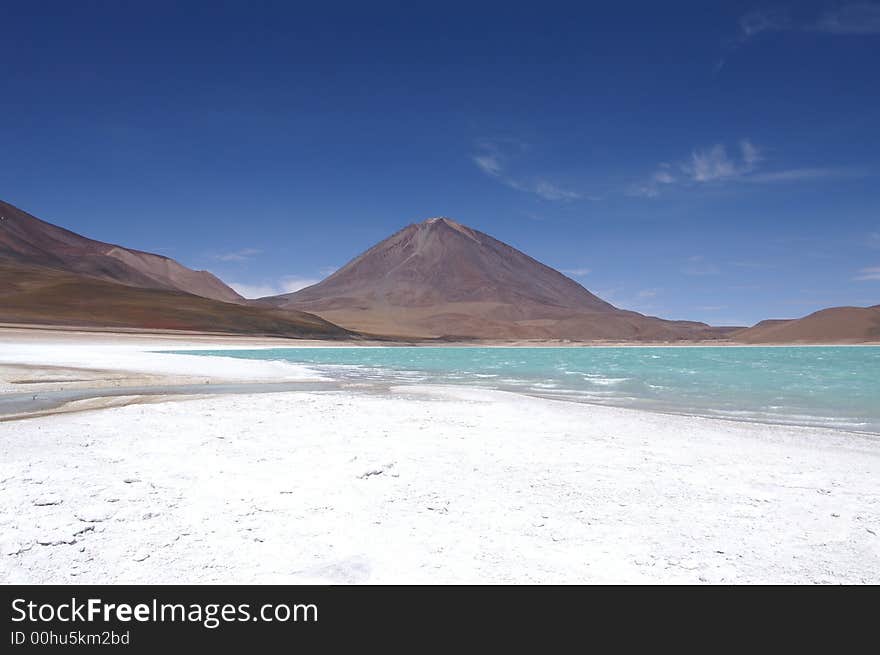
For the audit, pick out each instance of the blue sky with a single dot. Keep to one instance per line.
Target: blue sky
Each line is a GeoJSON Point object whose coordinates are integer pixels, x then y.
{"type": "Point", "coordinates": [698, 160]}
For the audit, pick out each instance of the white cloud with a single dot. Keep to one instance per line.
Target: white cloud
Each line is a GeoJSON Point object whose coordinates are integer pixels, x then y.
{"type": "Point", "coordinates": [287, 284]}
{"type": "Point", "coordinates": [294, 283]}
{"type": "Point", "coordinates": [714, 165]}
{"type": "Point", "coordinates": [489, 164]}
{"type": "Point", "coordinates": [706, 165]}
{"type": "Point", "coordinates": [869, 273]}
{"type": "Point", "coordinates": [239, 255]}
{"type": "Point", "coordinates": [251, 291]}
{"type": "Point", "coordinates": [493, 163]}
{"type": "Point", "coordinates": [550, 191]}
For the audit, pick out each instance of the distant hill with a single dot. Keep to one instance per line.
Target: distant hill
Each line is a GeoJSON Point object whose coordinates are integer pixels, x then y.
{"type": "Point", "coordinates": [32, 294]}
{"type": "Point", "coordinates": [440, 278]}
{"type": "Point", "coordinates": [25, 239]}
{"type": "Point", "coordinates": [833, 325]}
{"type": "Point", "coordinates": [52, 276]}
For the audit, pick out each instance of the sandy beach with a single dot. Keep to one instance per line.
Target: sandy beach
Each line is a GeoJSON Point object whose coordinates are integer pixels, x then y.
{"type": "Point", "coordinates": [418, 484]}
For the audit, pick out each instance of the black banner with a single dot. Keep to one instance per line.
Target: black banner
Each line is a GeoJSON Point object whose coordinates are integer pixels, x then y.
{"type": "Point", "coordinates": [145, 618]}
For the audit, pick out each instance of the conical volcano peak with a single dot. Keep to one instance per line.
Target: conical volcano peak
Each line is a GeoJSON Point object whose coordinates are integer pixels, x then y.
{"type": "Point", "coordinates": [439, 278]}
{"type": "Point", "coordinates": [446, 222]}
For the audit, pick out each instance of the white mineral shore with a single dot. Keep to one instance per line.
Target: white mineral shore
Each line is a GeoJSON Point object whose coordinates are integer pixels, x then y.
{"type": "Point", "coordinates": [421, 485]}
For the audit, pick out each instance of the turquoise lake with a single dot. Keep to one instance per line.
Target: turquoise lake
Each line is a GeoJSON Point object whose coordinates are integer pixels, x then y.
{"type": "Point", "coordinates": [815, 386]}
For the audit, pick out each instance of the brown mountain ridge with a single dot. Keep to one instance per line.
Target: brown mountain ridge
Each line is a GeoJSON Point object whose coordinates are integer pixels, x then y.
{"type": "Point", "coordinates": [35, 295]}
{"type": "Point", "coordinates": [25, 239]}
{"type": "Point", "coordinates": [832, 325]}
{"type": "Point", "coordinates": [52, 276]}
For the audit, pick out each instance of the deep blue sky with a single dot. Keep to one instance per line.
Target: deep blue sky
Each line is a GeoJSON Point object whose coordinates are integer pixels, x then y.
{"type": "Point", "coordinates": [700, 160]}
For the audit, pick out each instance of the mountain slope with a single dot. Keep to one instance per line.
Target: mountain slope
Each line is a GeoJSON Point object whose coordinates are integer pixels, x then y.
{"type": "Point", "coordinates": [27, 240]}
{"type": "Point", "coordinates": [33, 294]}
{"type": "Point", "coordinates": [832, 325]}
{"type": "Point", "coordinates": [439, 278]}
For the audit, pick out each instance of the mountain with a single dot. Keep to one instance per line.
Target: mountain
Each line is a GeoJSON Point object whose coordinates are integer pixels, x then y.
{"type": "Point", "coordinates": [26, 240]}
{"type": "Point", "coordinates": [440, 278]}
{"type": "Point", "coordinates": [833, 325]}
{"type": "Point", "coordinates": [37, 295]}
{"type": "Point", "coordinates": [52, 276]}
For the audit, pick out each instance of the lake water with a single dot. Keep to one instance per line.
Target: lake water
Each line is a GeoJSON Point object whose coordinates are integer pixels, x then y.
{"type": "Point", "coordinates": [819, 386]}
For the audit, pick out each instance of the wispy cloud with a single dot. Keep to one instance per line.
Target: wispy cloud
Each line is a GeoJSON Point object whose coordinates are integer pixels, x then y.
{"type": "Point", "coordinates": [576, 272]}
{"type": "Point", "coordinates": [869, 273]}
{"type": "Point", "coordinates": [850, 18]}
{"type": "Point", "coordinates": [853, 18]}
{"type": "Point", "coordinates": [773, 19]}
{"type": "Point", "coordinates": [242, 255]}
{"type": "Point", "coordinates": [493, 161]}
{"type": "Point", "coordinates": [549, 191]}
{"type": "Point", "coordinates": [286, 284]}
{"type": "Point", "coordinates": [295, 283]}
{"type": "Point", "coordinates": [251, 291]}
{"type": "Point", "coordinates": [714, 163]}
{"type": "Point", "coordinates": [799, 174]}
{"type": "Point", "coordinates": [651, 188]}
{"type": "Point", "coordinates": [489, 164]}
{"type": "Point", "coordinates": [718, 165]}
{"type": "Point", "coordinates": [704, 165]}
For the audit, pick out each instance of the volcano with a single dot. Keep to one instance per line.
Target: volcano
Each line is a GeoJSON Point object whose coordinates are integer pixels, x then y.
{"type": "Point", "coordinates": [442, 279]}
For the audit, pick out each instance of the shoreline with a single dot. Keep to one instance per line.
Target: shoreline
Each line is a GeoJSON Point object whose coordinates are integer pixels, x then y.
{"type": "Point", "coordinates": [20, 332]}
{"type": "Point", "coordinates": [103, 365]}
